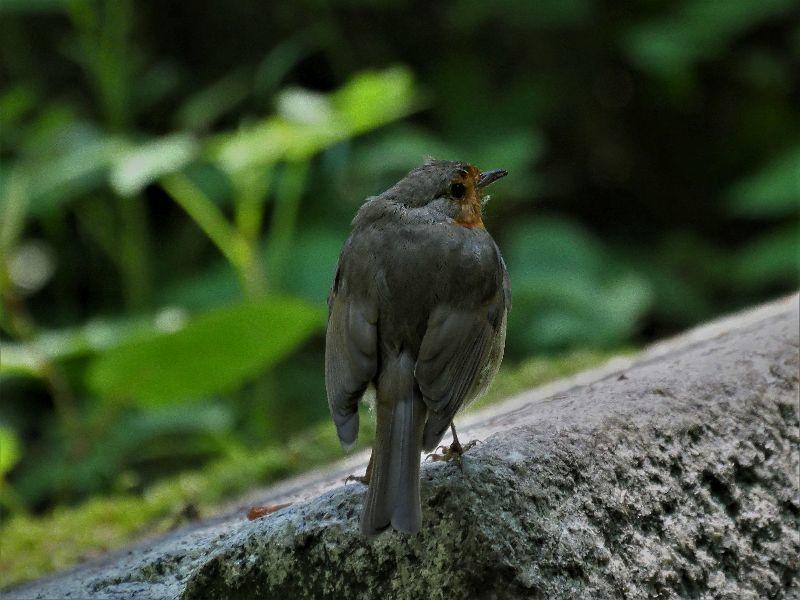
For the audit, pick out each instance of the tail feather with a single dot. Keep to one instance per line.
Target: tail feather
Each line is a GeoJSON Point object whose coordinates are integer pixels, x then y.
{"type": "Point", "coordinates": [393, 498]}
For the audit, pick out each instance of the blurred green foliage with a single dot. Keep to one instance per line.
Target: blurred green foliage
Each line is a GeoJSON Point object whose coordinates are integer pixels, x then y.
{"type": "Point", "coordinates": [176, 182]}
{"type": "Point", "coordinates": [210, 355]}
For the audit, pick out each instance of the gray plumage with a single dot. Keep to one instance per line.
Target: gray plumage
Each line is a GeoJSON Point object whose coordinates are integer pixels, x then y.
{"type": "Point", "coordinates": [418, 308]}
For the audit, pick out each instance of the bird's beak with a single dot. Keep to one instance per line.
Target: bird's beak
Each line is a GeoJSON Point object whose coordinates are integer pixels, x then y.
{"type": "Point", "coordinates": [488, 177]}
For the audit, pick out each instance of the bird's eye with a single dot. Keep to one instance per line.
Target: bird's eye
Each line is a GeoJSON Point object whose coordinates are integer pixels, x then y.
{"type": "Point", "coordinates": [457, 190]}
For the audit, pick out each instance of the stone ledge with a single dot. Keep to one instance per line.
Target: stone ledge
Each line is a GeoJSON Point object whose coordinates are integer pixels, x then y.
{"type": "Point", "coordinates": [671, 474]}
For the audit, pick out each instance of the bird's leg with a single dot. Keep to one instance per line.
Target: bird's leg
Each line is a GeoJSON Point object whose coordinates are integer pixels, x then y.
{"type": "Point", "coordinates": [362, 478]}
{"type": "Point", "coordinates": [454, 450]}
{"type": "Point", "coordinates": [456, 447]}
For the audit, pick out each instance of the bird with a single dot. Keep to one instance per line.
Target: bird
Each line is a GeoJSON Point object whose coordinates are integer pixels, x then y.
{"type": "Point", "coordinates": [417, 310]}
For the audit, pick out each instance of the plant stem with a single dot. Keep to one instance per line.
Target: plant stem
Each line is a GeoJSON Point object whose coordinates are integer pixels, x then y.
{"type": "Point", "coordinates": [134, 250]}
{"type": "Point", "coordinates": [24, 328]}
{"type": "Point", "coordinates": [284, 220]}
{"type": "Point", "coordinates": [230, 242]}
{"type": "Point", "coordinates": [252, 191]}
{"type": "Point", "coordinates": [103, 31]}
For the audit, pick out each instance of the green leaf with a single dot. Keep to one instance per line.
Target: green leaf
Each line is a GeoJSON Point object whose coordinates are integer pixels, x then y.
{"type": "Point", "coordinates": [398, 150]}
{"type": "Point", "coordinates": [268, 142]}
{"type": "Point", "coordinates": [202, 109]}
{"type": "Point", "coordinates": [215, 353]}
{"type": "Point", "coordinates": [214, 287]}
{"type": "Point", "coordinates": [282, 58]}
{"type": "Point", "coordinates": [309, 122]}
{"type": "Point", "coordinates": [569, 290]}
{"type": "Point", "coordinates": [9, 450]}
{"type": "Point", "coordinates": [304, 106]}
{"type": "Point", "coordinates": [139, 167]}
{"type": "Point", "coordinates": [685, 271]}
{"type": "Point", "coordinates": [773, 258]}
{"type": "Point", "coordinates": [772, 192]}
{"type": "Point", "coordinates": [14, 200]}
{"type": "Point", "coordinates": [94, 336]}
{"type": "Point", "coordinates": [169, 436]}
{"type": "Point", "coordinates": [374, 98]}
{"type": "Point", "coordinates": [312, 263]}
{"type": "Point", "coordinates": [18, 360]}
{"type": "Point", "coordinates": [156, 84]}
{"type": "Point", "coordinates": [15, 103]}
{"type": "Point", "coordinates": [79, 168]}
{"type": "Point", "coordinates": [23, 7]}
{"type": "Point", "coordinates": [549, 249]}
{"type": "Point", "coordinates": [699, 30]}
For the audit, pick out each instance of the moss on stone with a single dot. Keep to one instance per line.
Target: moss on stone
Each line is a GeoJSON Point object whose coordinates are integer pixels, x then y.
{"type": "Point", "coordinates": [33, 546]}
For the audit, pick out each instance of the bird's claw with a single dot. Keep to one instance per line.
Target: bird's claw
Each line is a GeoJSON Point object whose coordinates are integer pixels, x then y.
{"type": "Point", "coordinates": [452, 452]}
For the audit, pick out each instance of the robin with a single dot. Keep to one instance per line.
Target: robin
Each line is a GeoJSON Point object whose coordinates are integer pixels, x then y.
{"type": "Point", "coordinates": [418, 309]}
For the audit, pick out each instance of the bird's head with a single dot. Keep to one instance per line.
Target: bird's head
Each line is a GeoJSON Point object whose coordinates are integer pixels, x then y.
{"type": "Point", "coordinates": [451, 187]}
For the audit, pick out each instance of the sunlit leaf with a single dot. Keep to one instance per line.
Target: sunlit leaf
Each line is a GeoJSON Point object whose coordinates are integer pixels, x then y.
{"type": "Point", "coordinates": [368, 101]}
{"type": "Point", "coordinates": [773, 192]}
{"type": "Point", "coordinates": [142, 165]}
{"type": "Point", "coordinates": [216, 352]}
{"type": "Point", "coordinates": [10, 450]}
{"type": "Point", "coordinates": [374, 98]}
{"type": "Point", "coordinates": [268, 142]}
{"type": "Point", "coordinates": [14, 203]}
{"type": "Point", "coordinates": [304, 106]}
{"type": "Point", "coordinates": [95, 336]}
{"type": "Point", "coordinates": [18, 360]}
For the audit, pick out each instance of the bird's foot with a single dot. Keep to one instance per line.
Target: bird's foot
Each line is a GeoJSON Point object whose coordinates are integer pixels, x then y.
{"type": "Point", "coordinates": [452, 452]}
{"type": "Point", "coordinates": [359, 478]}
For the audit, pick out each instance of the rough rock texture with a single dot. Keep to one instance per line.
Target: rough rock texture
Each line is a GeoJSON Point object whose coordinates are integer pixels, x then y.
{"type": "Point", "coordinates": [674, 474]}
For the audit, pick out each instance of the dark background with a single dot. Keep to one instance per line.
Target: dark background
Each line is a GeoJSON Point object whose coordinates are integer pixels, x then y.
{"type": "Point", "coordinates": [177, 179]}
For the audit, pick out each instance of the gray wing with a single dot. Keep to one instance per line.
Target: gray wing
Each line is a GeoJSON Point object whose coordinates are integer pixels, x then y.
{"type": "Point", "coordinates": [351, 353]}
{"type": "Point", "coordinates": [459, 357]}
